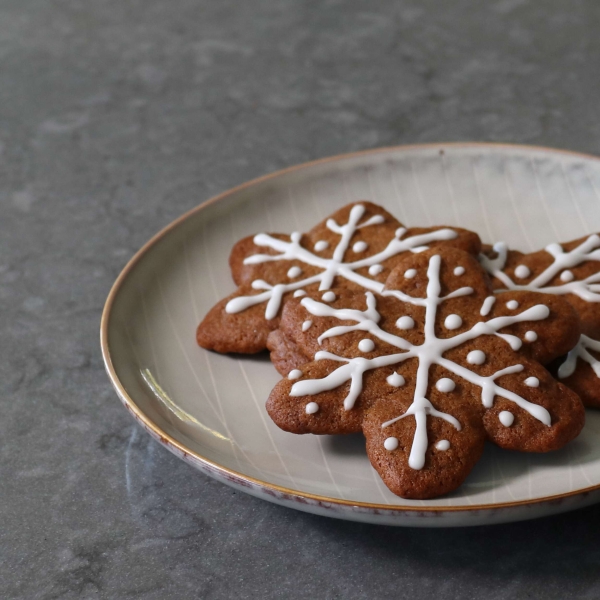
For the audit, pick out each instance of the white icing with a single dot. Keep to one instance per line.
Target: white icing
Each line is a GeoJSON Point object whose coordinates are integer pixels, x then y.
{"type": "Point", "coordinates": [328, 297]}
{"type": "Point", "coordinates": [459, 271]}
{"type": "Point", "coordinates": [452, 322]}
{"type": "Point", "coordinates": [522, 272]}
{"type": "Point", "coordinates": [405, 322]}
{"type": "Point", "coordinates": [306, 325]}
{"type": "Point", "coordinates": [366, 345]}
{"type": "Point", "coordinates": [587, 289]}
{"type": "Point", "coordinates": [581, 351]}
{"type": "Point", "coordinates": [531, 336]}
{"type": "Point", "coordinates": [375, 270]}
{"type": "Point", "coordinates": [295, 374]}
{"type": "Point", "coordinates": [410, 273]}
{"type": "Point", "coordinates": [390, 443]}
{"type": "Point", "coordinates": [532, 382]}
{"type": "Point", "coordinates": [476, 357]}
{"type": "Point", "coordinates": [512, 304]}
{"type": "Point", "coordinates": [443, 445]}
{"type": "Point", "coordinates": [299, 293]}
{"type": "Point", "coordinates": [396, 380]}
{"type": "Point", "coordinates": [331, 268]}
{"type": "Point", "coordinates": [294, 272]}
{"type": "Point", "coordinates": [445, 385]}
{"type": "Point", "coordinates": [312, 408]}
{"type": "Point", "coordinates": [487, 305]}
{"type": "Point", "coordinates": [430, 352]}
{"type": "Point", "coordinates": [567, 276]}
{"type": "Point", "coordinates": [506, 418]}
{"type": "Point", "coordinates": [360, 246]}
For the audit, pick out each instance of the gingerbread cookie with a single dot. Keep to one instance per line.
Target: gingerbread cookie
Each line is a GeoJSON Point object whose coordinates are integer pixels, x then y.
{"type": "Point", "coordinates": [428, 369]}
{"type": "Point", "coordinates": [355, 248]}
{"type": "Point", "coordinates": [571, 270]}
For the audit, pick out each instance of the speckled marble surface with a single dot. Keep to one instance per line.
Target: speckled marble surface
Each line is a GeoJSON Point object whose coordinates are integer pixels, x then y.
{"type": "Point", "coordinates": [117, 116]}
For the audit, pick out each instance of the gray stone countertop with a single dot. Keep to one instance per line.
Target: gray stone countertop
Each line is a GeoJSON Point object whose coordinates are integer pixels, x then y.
{"type": "Point", "coordinates": [116, 116]}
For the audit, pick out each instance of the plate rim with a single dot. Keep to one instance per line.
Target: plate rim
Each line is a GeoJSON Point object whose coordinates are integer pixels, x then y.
{"type": "Point", "coordinates": [230, 475]}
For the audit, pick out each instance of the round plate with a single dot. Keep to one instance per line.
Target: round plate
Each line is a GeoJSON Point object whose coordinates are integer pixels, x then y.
{"type": "Point", "coordinates": [209, 408]}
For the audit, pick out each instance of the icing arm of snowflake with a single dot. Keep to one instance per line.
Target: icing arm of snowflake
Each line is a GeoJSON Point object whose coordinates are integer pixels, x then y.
{"type": "Point", "coordinates": [490, 389]}
{"type": "Point", "coordinates": [289, 251]}
{"type": "Point", "coordinates": [421, 408]}
{"type": "Point", "coordinates": [494, 266]}
{"type": "Point", "coordinates": [539, 312]}
{"type": "Point", "coordinates": [582, 350]}
{"type": "Point", "coordinates": [352, 371]}
{"type": "Point", "coordinates": [586, 251]}
{"type": "Point", "coordinates": [273, 293]}
{"type": "Point", "coordinates": [366, 320]}
{"type": "Point", "coordinates": [587, 289]}
{"type": "Point", "coordinates": [414, 243]}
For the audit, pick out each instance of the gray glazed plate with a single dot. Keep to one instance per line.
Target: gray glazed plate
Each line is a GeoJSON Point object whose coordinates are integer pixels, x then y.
{"type": "Point", "coordinates": [209, 409]}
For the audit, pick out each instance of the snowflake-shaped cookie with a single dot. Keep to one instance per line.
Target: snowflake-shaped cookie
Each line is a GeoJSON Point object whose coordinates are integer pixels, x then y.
{"type": "Point", "coordinates": [571, 270]}
{"type": "Point", "coordinates": [355, 248]}
{"type": "Point", "coordinates": [428, 369]}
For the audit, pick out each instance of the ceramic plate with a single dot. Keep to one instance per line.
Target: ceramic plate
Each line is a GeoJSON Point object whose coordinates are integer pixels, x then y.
{"type": "Point", "coordinates": [209, 409]}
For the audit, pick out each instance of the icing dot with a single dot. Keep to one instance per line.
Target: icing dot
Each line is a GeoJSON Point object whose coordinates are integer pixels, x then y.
{"type": "Point", "coordinates": [312, 408]}
{"type": "Point", "coordinates": [452, 322]}
{"type": "Point", "coordinates": [375, 269]}
{"type": "Point", "coordinates": [512, 304]}
{"type": "Point", "coordinates": [443, 445]}
{"type": "Point", "coordinates": [299, 293]}
{"type": "Point", "coordinates": [405, 323]}
{"type": "Point", "coordinates": [476, 357]}
{"type": "Point", "coordinates": [295, 374]}
{"type": "Point", "coordinates": [306, 325]}
{"type": "Point", "coordinates": [366, 345]}
{"type": "Point", "coordinates": [567, 276]}
{"type": "Point", "coordinates": [321, 245]}
{"type": "Point", "coordinates": [410, 273]}
{"type": "Point", "coordinates": [532, 382]}
{"type": "Point", "coordinates": [506, 418]}
{"type": "Point", "coordinates": [294, 272]}
{"type": "Point", "coordinates": [359, 246]}
{"type": "Point", "coordinates": [459, 271]}
{"type": "Point", "coordinates": [522, 272]}
{"type": "Point", "coordinates": [390, 443]}
{"type": "Point", "coordinates": [531, 336]}
{"type": "Point", "coordinates": [396, 380]}
{"type": "Point", "coordinates": [328, 297]}
{"type": "Point", "coordinates": [445, 385]}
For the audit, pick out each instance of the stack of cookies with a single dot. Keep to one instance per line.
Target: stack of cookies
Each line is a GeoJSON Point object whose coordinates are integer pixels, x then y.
{"type": "Point", "coordinates": [420, 338]}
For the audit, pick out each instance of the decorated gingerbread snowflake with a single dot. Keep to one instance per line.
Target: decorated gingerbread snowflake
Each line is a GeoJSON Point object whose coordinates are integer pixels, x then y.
{"type": "Point", "coordinates": [355, 248]}
{"type": "Point", "coordinates": [571, 270]}
{"type": "Point", "coordinates": [428, 368]}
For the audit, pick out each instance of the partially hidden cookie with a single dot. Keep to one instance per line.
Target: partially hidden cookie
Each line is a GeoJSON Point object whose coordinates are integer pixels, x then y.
{"type": "Point", "coordinates": [355, 248]}
{"type": "Point", "coordinates": [428, 369]}
{"type": "Point", "coordinates": [571, 270]}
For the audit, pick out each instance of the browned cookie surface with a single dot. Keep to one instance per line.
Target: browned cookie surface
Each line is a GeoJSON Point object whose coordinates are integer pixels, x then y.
{"type": "Point", "coordinates": [355, 248]}
{"type": "Point", "coordinates": [570, 270]}
{"type": "Point", "coordinates": [428, 369]}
